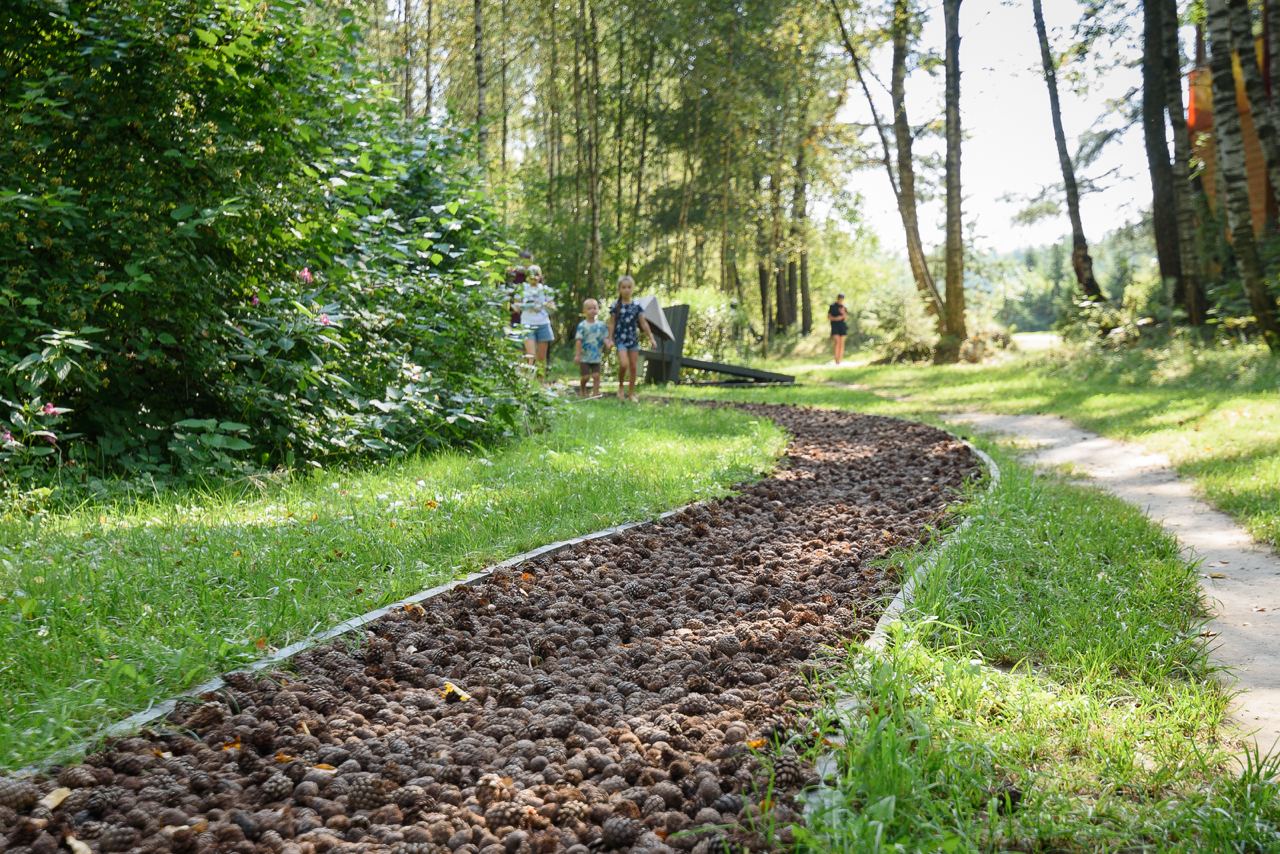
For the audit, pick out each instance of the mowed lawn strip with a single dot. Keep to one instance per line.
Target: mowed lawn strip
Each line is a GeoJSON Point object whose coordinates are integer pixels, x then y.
{"type": "Point", "coordinates": [106, 609]}
{"type": "Point", "coordinates": [1048, 691]}
{"type": "Point", "coordinates": [1214, 412]}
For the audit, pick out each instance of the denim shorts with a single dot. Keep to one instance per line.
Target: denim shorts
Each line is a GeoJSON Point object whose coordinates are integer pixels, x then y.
{"type": "Point", "coordinates": [623, 348]}
{"type": "Point", "coordinates": [541, 333]}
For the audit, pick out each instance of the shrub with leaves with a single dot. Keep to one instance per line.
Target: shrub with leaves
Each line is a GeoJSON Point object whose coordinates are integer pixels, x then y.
{"type": "Point", "coordinates": [168, 171]}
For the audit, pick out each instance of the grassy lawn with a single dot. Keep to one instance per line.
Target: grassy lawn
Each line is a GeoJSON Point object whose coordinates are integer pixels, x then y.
{"type": "Point", "coordinates": [1047, 691]}
{"type": "Point", "coordinates": [1215, 413]}
{"type": "Point", "coordinates": [107, 608]}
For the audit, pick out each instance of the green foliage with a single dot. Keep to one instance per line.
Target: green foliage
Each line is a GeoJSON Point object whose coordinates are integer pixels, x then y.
{"type": "Point", "coordinates": [208, 210]}
{"type": "Point", "coordinates": [897, 324]}
{"type": "Point", "coordinates": [717, 324]}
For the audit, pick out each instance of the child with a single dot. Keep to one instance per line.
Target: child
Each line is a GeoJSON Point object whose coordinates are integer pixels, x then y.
{"type": "Point", "coordinates": [589, 347]}
{"type": "Point", "coordinates": [535, 304]}
{"type": "Point", "coordinates": [626, 318]}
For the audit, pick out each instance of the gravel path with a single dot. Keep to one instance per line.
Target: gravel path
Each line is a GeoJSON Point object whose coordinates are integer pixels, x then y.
{"type": "Point", "coordinates": [612, 697]}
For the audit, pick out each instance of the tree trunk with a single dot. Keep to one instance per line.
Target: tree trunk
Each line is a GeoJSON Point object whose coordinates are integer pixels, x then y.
{"type": "Point", "coordinates": [906, 203]}
{"type": "Point", "coordinates": [407, 44]}
{"type": "Point", "coordinates": [1271, 14]}
{"type": "Point", "coordinates": [640, 159]}
{"type": "Point", "coordinates": [553, 109]}
{"type": "Point", "coordinates": [949, 347]}
{"type": "Point", "coordinates": [592, 56]}
{"type": "Point", "coordinates": [619, 132]}
{"type": "Point", "coordinates": [482, 132]}
{"type": "Point", "coordinates": [797, 271]}
{"type": "Point", "coordinates": [1080, 260]}
{"type": "Point", "coordinates": [1264, 117]}
{"type": "Point", "coordinates": [502, 95]}
{"type": "Point", "coordinates": [1164, 217]}
{"type": "Point", "coordinates": [1235, 198]}
{"type": "Point", "coordinates": [1191, 291]}
{"type": "Point", "coordinates": [428, 83]}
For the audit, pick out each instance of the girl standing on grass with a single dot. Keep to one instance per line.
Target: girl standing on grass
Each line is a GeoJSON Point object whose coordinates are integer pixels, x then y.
{"type": "Point", "coordinates": [536, 303]}
{"type": "Point", "coordinates": [626, 319]}
{"type": "Point", "coordinates": [839, 317]}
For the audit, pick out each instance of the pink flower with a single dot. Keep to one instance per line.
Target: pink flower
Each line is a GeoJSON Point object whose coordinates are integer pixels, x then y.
{"type": "Point", "coordinates": [8, 437]}
{"type": "Point", "coordinates": [49, 409]}
{"type": "Point", "coordinates": [253, 300]}
{"type": "Point", "coordinates": [305, 276]}
{"type": "Point", "coordinates": [325, 321]}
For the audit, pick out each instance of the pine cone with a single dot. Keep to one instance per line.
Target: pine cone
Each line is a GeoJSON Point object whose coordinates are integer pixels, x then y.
{"type": "Point", "coordinates": [131, 764]}
{"type": "Point", "coordinates": [504, 814]}
{"type": "Point", "coordinates": [653, 805]}
{"type": "Point", "coordinates": [619, 832]}
{"type": "Point", "coordinates": [76, 777]}
{"type": "Point", "coordinates": [788, 773]}
{"type": "Point", "coordinates": [208, 715]}
{"type": "Point", "coordinates": [118, 838]}
{"type": "Point", "coordinates": [277, 787]}
{"type": "Point", "coordinates": [490, 789]}
{"type": "Point", "coordinates": [364, 792]}
{"type": "Point", "coordinates": [730, 803]}
{"type": "Point", "coordinates": [776, 727]}
{"type": "Point", "coordinates": [17, 794]}
{"type": "Point", "coordinates": [104, 799]}
{"type": "Point", "coordinates": [571, 812]}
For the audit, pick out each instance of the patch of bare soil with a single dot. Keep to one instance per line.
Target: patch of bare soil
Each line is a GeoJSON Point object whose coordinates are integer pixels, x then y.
{"type": "Point", "coordinates": [616, 696]}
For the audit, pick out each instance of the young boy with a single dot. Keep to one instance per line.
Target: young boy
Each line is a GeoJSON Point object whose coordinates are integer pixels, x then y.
{"type": "Point", "coordinates": [589, 347]}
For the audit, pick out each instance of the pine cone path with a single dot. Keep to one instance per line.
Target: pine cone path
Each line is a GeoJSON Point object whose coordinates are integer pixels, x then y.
{"type": "Point", "coordinates": [609, 697]}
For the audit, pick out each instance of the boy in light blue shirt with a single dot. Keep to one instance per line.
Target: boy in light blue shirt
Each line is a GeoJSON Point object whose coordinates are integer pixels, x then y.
{"type": "Point", "coordinates": [589, 347]}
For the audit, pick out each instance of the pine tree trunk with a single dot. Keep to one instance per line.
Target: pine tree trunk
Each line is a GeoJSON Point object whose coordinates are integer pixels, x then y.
{"type": "Point", "coordinates": [1081, 262]}
{"type": "Point", "coordinates": [502, 94]}
{"type": "Point", "coordinates": [428, 83]}
{"type": "Point", "coordinates": [592, 48]}
{"type": "Point", "coordinates": [1192, 295]}
{"type": "Point", "coordinates": [1164, 217]}
{"type": "Point", "coordinates": [640, 159]}
{"type": "Point", "coordinates": [619, 133]}
{"type": "Point", "coordinates": [1271, 14]}
{"type": "Point", "coordinates": [482, 131]}
{"type": "Point", "coordinates": [407, 44]}
{"type": "Point", "coordinates": [797, 271]}
{"type": "Point", "coordinates": [949, 347]}
{"type": "Point", "coordinates": [1264, 117]}
{"type": "Point", "coordinates": [1229, 141]}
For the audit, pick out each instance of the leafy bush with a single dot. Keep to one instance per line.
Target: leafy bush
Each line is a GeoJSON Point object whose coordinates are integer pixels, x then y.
{"type": "Point", "coordinates": [210, 213]}
{"type": "Point", "coordinates": [897, 323]}
{"type": "Point", "coordinates": [717, 326]}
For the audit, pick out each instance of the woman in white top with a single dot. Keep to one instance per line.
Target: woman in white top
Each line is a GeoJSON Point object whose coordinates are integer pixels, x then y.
{"type": "Point", "coordinates": [536, 304]}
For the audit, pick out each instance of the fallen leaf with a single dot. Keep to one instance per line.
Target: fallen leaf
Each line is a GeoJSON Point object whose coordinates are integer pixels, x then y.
{"type": "Point", "coordinates": [453, 694]}
{"type": "Point", "coordinates": [306, 730]}
{"type": "Point", "coordinates": [232, 745]}
{"type": "Point", "coordinates": [1259, 608]}
{"type": "Point", "coordinates": [757, 743]}
{"type": "Point", "coordinates": [1217, 575]}
{"type": "Point", "coordinates": [324, 766]}
{"type": "Point", "coordinates": [77, 846]}
{"type": "Point", "coordinates": [54, 798]}
{"type": "Point", "coordinates": [261, 643]}
{"type": "Point", "coordinates": [283, 757]}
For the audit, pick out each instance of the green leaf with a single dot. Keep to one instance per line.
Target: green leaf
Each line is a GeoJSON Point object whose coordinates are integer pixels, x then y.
{"type": "Point", "coordinates": [207, 37]}
{"type": "Point", "coordinates": [183, 212]}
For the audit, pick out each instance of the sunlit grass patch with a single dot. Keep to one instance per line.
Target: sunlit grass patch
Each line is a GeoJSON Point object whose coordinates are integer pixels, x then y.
{"type": "Point", "coordinates": [107, 608]}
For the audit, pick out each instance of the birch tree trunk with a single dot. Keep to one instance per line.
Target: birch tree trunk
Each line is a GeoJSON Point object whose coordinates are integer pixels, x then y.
{"type": "Point", "coordinates": [428, 83]}
{"type": "Point", "coordinates": [407, 46]}
{"type": "Point", "coordinates": [800, 236]}
{"type": "Point", "coordinates": [1192, 294]}
{"type": "Point", "coordinates": [1081, 262]}
{"type": "Point", "coordinates": [949, 346]}
{"type": "Point", "coordinates": [1164, 218]}
{"type": "Point", "coordinates": [1229, 141]}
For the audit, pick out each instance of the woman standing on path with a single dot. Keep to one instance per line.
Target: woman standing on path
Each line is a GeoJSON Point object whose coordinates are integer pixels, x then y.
{"type": "Point", "coordinates": [839, 317]}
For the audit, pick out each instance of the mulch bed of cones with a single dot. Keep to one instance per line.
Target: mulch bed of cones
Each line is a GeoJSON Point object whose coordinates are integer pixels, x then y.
{"type": "Point", "coordinates": [625, 694]}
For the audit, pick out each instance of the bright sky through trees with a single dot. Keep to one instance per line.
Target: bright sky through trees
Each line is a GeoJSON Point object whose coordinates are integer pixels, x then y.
{"type": "Point", "coordinates": [1008, 151]}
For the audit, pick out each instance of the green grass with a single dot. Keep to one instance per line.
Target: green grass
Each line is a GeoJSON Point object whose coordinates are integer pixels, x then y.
{"type": "Point", "coordinates": [1214, 412]}
{"type": "Point", "coordinates": [108, 608]}
{"type": "Point", "coordinates": [1056, 658]}
{"type": "Point", "coordinates": [1048, 655]}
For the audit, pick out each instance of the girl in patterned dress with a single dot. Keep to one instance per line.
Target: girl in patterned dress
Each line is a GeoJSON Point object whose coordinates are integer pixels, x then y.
{"type": "Point", "coordinates": [626, 319]}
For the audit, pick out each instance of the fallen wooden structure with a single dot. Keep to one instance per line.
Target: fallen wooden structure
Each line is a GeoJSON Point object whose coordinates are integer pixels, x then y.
{"type": "Point", "coordinates": [667, 363]}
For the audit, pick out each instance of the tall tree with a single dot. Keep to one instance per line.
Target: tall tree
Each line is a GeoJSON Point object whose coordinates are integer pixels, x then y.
{"type": "Point", "coordinates": [1164, 217]}
{"type": "Point", "coordinates": [482, 130]}
{"type": "Point", "coordinates": [902, 178]}
{"type": "Point", "coordinates": [949, 346]}
{"type": "Point", "coordinates": [1081, 261]}
{"type": "Point", "coordinates": [1190, 289]}
{"type": "Point", "coordinates": [1264, 117]}
{"type": "Point", "coordinates": [1229, 142]}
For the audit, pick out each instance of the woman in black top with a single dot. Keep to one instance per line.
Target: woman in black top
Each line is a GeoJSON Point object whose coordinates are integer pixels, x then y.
{"type": "Point", "coordinates": [839, 317]}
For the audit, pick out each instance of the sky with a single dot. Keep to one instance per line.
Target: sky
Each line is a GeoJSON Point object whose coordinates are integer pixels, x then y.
{"type": "Point", "coordinates": [1009, 148]}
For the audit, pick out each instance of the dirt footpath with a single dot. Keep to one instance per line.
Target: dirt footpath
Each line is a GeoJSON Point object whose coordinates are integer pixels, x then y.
{"type": "Point", "coordinates": [614, 696]}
